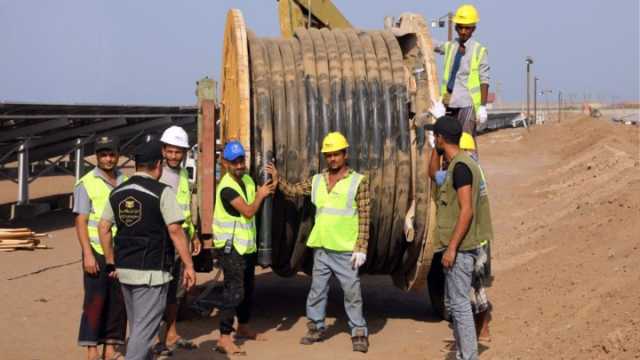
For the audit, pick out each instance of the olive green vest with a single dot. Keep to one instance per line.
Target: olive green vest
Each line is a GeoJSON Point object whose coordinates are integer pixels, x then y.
{"type": "Point", "coordinates": [473, 83]}
{"type": "Point", "coordinates": [98, 191]}
{"type": "Point", "coordinates": [336, 225]}
{"type": "Point", "coordinates": [480, 229]}
{"type": "Point", "coordinates": [183, 197]}
{"type": "Point", "coordinates": [225, 226]}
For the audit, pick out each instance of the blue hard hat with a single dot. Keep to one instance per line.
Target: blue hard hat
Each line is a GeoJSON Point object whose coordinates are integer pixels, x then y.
{"type": "Point", "coordinates": [233, 150]}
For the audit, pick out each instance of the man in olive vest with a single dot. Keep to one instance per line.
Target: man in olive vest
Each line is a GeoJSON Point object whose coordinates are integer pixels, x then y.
{"type": "Point", "coordinates": [104, 319]}
{"type": "Point", "coordinates": [149, 222]}
{"type": "Point", "coordinates": [463, 223]}
{"type": "Point", "coordinates": [339, 238]}
{"type": "Point", "coordinates": [175, 144]}
{"type": "Point", "coordinates": [465, 77]}
{"type": "Point", "coordinates": [234, 238]}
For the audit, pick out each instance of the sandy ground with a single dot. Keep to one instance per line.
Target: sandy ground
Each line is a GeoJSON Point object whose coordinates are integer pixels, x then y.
{"type": "Point", "coordinates": [566, 210]}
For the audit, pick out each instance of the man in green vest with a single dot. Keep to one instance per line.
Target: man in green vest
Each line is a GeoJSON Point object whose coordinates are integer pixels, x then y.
{"type": "Point", "coordinates": [465, 77]}
{"type": "Point", "coordinates": [339, 238]}
{"type": "Point", "coordinates": [234, 238]}
{"type": "Point", "coordinates": [175, 144]}
{"type": "Point", "coordinates": [104, 319]}
{"type": "Point", "coordinates": [463, 223]}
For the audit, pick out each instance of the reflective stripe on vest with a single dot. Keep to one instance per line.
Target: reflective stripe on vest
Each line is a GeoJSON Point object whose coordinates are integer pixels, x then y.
{"type": "Point", "coordinates": [336, 226]}
{"type": "Point", "coordinates": [183, 198]}
{"type": "Point", "coordinates": [237, 228]}
{"type": "Point", "coordinates": [473, 82]}
{"type": "Point", "coordinates": [98, 192]}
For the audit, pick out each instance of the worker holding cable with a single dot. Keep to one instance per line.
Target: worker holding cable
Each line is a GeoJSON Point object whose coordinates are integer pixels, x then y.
{"type": "Point", "coordinates": [234, 238]}
{"type": "Point", "coordinates": [339, 237]}
{"type": "Point", "coordinates": [465, 77]}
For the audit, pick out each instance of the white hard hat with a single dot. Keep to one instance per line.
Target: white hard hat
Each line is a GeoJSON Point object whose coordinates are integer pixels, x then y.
{"type": "Point", "coordinates": [176, 136]}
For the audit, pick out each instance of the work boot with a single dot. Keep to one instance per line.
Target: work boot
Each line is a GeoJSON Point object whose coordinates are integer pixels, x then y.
{"type": "Point", "coordinates": [314, 334]}
{"type": "Point", "coordinates": [360, 342]}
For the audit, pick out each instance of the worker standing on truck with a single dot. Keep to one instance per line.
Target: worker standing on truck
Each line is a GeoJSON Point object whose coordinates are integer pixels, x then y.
{"type": "Point", "coordinates": [463, 221]}
{"type": "Point", "coordinates": [234, 239]}
{"type": "Point", "coordinates": [149, 222]}
{"type": "Point", "coordinates": [104, 319]}
{"type": "Point", "coordinates": [465, 77]}
{"type": "Point", "coordinates": [175, 144]}
{"type": "Point", "coordinates": [339, 238]}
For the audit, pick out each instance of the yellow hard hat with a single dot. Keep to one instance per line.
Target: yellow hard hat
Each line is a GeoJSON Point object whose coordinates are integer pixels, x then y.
{"type": "Point", "coordinates": [334, 141]}
{"type": "Point", "coordinates": [466, 15]}
{"type": "Point", "coordinates": [467, 142]}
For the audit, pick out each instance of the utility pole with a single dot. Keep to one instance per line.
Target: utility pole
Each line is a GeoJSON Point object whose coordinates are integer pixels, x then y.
{"type": "Point", "coordinates": [450, 26]}
{"type": "Point", "coordinates": [535, 99]}
{"type": "Point", "coordinates": [528, 61]}
{"type": "Point", "coordinates": [559, 105]}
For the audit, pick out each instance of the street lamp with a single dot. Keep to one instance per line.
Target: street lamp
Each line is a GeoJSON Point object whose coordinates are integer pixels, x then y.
{"type": "Point", "coordinates": [441, 22]}
{"type": "Point", "coordinates": [528, 60]}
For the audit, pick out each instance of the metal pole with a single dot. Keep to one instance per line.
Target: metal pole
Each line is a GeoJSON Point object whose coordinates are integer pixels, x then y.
{"type": "Point", "coordinates": [79, 155]}
{"type": "Point", "coordinates": [559, 105]}
{"type": "Point", "coordinates": [450, 25]}
{"type": "Point", "coordinates": [528, 93]}
{"type": "Point", "coordinates": [535, 100]}
{"type": "Point", "coordinates": [23, 173]}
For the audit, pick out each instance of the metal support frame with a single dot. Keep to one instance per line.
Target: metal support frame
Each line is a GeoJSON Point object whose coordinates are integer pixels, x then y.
{"type": "Point", "coordinates": [79, 159]}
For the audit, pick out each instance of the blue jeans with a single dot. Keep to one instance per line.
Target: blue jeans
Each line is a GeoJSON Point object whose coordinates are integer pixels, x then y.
{"type": "Point", "coordinates": [457, 295]}
{"type": "Point", "coordinates": [326, 263]}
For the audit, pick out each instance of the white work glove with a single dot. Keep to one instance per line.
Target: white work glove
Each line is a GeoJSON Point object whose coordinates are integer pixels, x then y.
{"type": "Point", "coordinates": [358, 259]}
{"type": "Point", "coordinates": [481, 114]}
{"type": "Point", "coordinates": [437, 109]}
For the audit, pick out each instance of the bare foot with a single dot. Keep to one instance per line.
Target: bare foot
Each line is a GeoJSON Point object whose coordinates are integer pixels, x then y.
{"type": "Point", "coordinates": [92, 353]}
{"type": "Point", "coordinates": [110, 353]}
{"type": "Point", "coordinates": [245, 332]}
{"type": "Point", "coordinates": [227, 346]}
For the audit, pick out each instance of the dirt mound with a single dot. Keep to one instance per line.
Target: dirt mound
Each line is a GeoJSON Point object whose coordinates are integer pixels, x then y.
{"type": "Point", "coordinates": [568, 249]}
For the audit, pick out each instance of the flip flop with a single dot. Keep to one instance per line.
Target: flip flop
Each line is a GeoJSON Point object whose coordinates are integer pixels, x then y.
{"type": "Point", "coordinates": [182, 344]}
{"type": "Point", "coordinates": [222, 350]}
{"type": "Point", "coordinates": [162, 349]}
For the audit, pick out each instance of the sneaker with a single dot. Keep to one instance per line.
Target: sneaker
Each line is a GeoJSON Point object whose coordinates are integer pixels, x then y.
{"type": "Point", "coordinates": [360, 343]}
{"type": "Point", "coordinates": [313, 335]}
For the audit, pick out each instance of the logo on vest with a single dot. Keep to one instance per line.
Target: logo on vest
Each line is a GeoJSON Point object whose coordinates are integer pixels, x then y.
{"type": "Point", "coordinates": [130, 211]}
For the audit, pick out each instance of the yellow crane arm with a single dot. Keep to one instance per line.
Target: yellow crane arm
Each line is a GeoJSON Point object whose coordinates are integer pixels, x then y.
{"type": "Point", "coordinates": [309, 13]}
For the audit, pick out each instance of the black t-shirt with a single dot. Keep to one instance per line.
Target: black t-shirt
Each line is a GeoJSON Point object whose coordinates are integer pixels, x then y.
{"type": "Point", "coordinates": [228, 195]}
{"type": "Point", "coordinates": [462, 176]}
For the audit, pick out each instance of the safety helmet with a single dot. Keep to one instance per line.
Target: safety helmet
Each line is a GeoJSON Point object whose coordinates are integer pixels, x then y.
{"type": "Point", "coordinates": [467, 142]}
{"type": "Point", "coordinates": [233, 150]}
{"type": "Point", "coordinates": [334, 141]}
{"type": "Point", "coordinates": [466, 15]}
{"type": "Point", "coordinates": [176, 136]}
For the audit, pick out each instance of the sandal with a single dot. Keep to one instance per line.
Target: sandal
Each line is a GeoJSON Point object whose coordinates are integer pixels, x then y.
{"type": "Point", "coordinates": [162, 349]}
{"type": "Point", "coordinates": [182, 344]}
{"type": "Point", "coordinates": [222, 350]}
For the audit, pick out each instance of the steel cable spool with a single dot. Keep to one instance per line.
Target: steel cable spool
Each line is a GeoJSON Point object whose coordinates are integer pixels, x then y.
{"type": "Point", "coordinates": [319, 81]}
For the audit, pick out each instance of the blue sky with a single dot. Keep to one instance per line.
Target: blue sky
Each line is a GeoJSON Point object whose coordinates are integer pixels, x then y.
{"type": "Point", "coordinates": [153, 51]}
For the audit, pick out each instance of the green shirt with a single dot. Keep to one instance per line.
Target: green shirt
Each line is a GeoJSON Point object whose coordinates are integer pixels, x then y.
{"type": "Point", "coordinates": [171, 213]}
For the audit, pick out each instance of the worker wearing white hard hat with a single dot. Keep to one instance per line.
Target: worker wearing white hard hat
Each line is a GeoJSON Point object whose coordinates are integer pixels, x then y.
{"type": "Point", "coordinates": [175, 145]}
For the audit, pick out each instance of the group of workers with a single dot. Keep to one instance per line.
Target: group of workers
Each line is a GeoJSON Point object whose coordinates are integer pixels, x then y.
{"type": "Point", "coordinates": [138, 238]}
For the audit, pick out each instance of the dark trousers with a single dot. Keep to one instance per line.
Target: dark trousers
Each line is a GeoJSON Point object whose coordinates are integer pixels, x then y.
{"type": "Point", "coordinates": [104, 318]}
{"type": "Point", "coordinates": [237, 295]}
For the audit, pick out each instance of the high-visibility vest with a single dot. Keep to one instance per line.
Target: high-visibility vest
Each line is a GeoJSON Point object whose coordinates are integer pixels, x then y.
{"type": "Point", "coordinates": [98, 191]}
{"type": "Point", "coordinates": [183, 197]}
{"type": "Point", "coordinates": [473, 83]}
{"type": "Point", "coordinates": [239, 229]}
{"type": "Point", "coordinates": [336, 225]}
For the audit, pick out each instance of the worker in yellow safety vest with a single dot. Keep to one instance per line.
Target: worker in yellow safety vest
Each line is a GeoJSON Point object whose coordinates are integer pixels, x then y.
{"type": "Point", "coordinates": [465, 77]}
{"type": "Point", "coordinates": [104, 319]}
{"type": "Point", "coordinates": [339, 237]}
{"type": "Point", "coordinates": [234, 239]}
{"type": "Point", "coordinates": [175, 145]}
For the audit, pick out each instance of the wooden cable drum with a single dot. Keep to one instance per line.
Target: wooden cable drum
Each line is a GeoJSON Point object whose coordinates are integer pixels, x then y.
{"type": "Point", "coordinates": [281, 96]}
